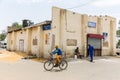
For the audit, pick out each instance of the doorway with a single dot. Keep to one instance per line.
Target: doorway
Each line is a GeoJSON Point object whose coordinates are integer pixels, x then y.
{"type": "Point", "coordinates": [96, 41]}
{"type": "Point", "coordinates": [21, 45]}
{"type": "Point", "coordinates": [53, 42]}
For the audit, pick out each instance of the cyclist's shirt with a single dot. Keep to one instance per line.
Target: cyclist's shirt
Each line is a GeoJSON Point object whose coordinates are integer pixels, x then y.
{"type": "Point", "coordinates": [58, 51]}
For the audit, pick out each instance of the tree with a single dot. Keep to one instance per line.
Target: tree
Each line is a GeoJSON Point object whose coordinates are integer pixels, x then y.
{"type": "Point", "coordinates": [118, 44]}
{"type": "Point", "coordinates": [3, 35]}
{"type": "Point", "coordinates": [16, 25]}
{"type": "Point", "coordinates": [118, 32]}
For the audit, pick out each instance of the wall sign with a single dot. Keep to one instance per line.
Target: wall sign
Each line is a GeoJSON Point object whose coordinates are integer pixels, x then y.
{"type": "Point", "coordinates": [47, 27]}
{"type": "Point", "coordinates": [71, 42]}
{"type": "Point", "coordinates": [105, 35]}
{"type": "Point", "coordinates": [92, 24]}
{"type": "Point", "coordinates": [47, 38]}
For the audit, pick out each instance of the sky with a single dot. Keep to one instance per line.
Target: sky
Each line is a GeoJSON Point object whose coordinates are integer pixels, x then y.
{"type": "Point", "coordinates": [40, 10]}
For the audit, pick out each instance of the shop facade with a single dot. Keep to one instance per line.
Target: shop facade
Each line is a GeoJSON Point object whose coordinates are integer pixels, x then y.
{"type": "Point", "coordinates": [68, 30]}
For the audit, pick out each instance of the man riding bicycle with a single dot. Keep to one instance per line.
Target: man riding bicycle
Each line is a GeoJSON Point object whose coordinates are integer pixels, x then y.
{"type": "Point", "coordinates": [58, 62]}
{"type": "Point", "coordinates": [58, 56]}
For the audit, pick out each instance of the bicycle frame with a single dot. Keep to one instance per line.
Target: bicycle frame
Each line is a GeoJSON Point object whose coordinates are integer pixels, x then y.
{"type": "Point", "coordinates": [51, 59]}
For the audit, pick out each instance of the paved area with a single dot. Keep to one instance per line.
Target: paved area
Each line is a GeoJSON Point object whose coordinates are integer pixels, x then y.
{"type": "Point", "coordinates": [103, 68]}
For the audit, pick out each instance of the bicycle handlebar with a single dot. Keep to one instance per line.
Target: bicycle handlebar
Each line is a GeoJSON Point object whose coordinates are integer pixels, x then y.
{"type": "Point", "coordinates": [51, 54]}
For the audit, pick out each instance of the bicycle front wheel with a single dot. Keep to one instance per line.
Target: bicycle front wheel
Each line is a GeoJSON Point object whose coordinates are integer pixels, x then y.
{"type": "Point", "coordinates": [48, 65]}
{"type": "Point", "coordinates": [63, 65]}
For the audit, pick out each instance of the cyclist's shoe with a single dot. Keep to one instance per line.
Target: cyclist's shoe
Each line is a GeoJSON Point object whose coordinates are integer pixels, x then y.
{"type": "Point", "coordinates": [56, 65]}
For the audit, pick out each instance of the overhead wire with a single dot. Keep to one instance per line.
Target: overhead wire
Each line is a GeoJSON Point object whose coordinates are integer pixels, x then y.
{"type": "Point", "coordinates": [90, 1]}
{"type": "Point", "coordinates": [87, 3]}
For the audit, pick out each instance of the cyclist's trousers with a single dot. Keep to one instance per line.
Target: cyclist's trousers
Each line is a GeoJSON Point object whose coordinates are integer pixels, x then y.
{"type": "Point", "coordinates": [58, 57]}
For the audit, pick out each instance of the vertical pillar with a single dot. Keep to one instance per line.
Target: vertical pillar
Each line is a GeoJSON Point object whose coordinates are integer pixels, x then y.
{"type": "Point", "coordinates": [56, 24]}
{"type": "Point", "coordinates": [8, 41]}
{"type": "Point", "coordinates": [84, 34]}
{"type": "Point", "coordinates": [112, 37]}
{"type": "Point", "coordinates": [62, 24]}
{"type": "Point", "coordinates": [41, 42]}
{"type": "Point", "coordinates": [38, 41]}
{"type": "Point", "coordinates": [99, 31]}
{"type": "Point", "coordinates": [14, 41]}
{"type": "Point", "coordinates": [99, 26]}
{"type": "Point", "coordinates": [29, 41]}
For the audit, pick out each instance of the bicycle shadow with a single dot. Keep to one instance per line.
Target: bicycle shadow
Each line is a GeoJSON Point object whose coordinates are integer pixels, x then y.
{"type": "Point", "coordinates": [56, 70]}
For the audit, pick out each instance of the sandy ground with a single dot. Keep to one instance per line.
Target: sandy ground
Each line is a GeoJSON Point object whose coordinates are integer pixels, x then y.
{"type": "Point", "coordinates": [12, 57]}
{"type": "Point", "coordinates": [8, 56]}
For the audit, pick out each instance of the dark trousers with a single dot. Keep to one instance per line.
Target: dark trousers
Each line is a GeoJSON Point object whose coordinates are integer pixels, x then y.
{"type": "Point", "coordinates": [91, 58]}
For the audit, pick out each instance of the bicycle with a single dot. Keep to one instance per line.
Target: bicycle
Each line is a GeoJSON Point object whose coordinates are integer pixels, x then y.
{"type": "Point", "coordinates": [49, 64]}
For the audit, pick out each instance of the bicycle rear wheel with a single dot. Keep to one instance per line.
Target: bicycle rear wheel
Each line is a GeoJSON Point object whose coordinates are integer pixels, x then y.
{"type": "Point", "coordinates": [63, 65]}
{"type": "Point", "coordinates": [48, 65]}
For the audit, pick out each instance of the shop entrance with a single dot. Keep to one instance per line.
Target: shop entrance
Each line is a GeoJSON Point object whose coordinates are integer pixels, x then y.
{"type": "Point", "coordinates": [95, 41]}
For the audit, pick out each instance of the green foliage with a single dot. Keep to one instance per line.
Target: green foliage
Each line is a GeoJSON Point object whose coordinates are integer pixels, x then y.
{"type": "Point", "coordinates": [118, 44]}
{"type": "Point", "coordinates": [2, 35]}
{"type": "Point", "coordinates": [118, 32]}
{"type": "Point", "coordinates": [15, 24]}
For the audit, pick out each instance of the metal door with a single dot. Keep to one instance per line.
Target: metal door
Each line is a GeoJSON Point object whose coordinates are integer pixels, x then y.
{"type": "Point", "coordinates": [53, 42]}
{"type": "Point", "coordinates": [21, 45]}
{"type": "Point", "coordinates": [96, 43]}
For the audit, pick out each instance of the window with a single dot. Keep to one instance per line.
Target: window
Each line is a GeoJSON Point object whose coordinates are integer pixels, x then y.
{"type": "Point", "coordinates": [34, 41]}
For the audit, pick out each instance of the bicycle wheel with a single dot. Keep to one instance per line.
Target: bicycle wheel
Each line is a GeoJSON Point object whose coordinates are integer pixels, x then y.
{"type": "Point", "coordinates": [48, 65]}
{"type": "Point", "coordinates": [63, 65]}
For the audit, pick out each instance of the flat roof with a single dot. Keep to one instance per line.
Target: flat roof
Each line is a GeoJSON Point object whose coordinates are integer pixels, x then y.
{"type": "Point", "coordinates": [35, 25]}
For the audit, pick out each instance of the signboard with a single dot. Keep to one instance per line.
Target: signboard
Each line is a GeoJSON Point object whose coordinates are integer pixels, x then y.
{"type": "Point", "coordinates": [92, 24]}
{"type": "Point", "coordinates": [105, 35]}
{"type": "Point", "coordinates": [47, 27]}
{"type": "Point", "coordinates": [71, 42]}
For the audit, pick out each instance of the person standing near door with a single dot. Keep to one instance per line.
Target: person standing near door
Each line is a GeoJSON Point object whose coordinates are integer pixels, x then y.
{"type": "Point", "coordinates": [91, 52]}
